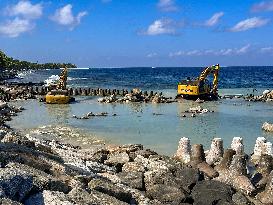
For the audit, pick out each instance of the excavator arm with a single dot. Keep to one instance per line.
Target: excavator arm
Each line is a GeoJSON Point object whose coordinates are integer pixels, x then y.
{"type": "Point", "coordinates": [63, 78]}
{"type": "Point", "coordinates": [212, 69]}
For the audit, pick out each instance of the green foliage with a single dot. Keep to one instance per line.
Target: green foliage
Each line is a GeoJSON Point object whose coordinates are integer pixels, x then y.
{"type": "Point", "coordinates": [12, 65]}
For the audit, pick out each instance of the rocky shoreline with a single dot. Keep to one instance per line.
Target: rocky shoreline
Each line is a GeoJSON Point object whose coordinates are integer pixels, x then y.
{"type": "Point", "coordinates": [46, 172]}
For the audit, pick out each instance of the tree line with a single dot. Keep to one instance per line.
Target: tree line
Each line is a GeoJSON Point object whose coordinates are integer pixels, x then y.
{"type": "Point", "coordinates": [9, 66]}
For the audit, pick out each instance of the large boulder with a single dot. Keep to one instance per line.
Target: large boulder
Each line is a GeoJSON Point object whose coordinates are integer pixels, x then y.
{"type": "Point", "coordinates": [40, 178]}
{"type": "Point", "coordinates": [144, 153]}
{"type": "Point", "coordinates": [117, 159]}
{"type": "Point", "coordinates": [133, 167]}
{"type": "Point", "coordinates": [49, 198]}
{"type": "Point", "coordinates": [163, 186]}
{"type": "Point", "coordinates": [240, 199]}
{"type": "Point", "coordinates": [187, 177]}
{"type": "Point", "coordinates": [81, 196]}
{"type": "Point", "coordinates": [166, 194]}
{"type": "Point", "coordinates": [107, 187]}
{"type": "Point", "coordinates": [210, 192]}
{"type": "Point", "coordinates": [132, 179]}
{"type": "Point", "coordinates": [15, 184]}
{"type": "Point", "coordinates": [6, 201]}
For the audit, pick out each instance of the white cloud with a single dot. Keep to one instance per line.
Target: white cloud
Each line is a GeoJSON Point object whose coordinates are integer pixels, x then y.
{"type": "Point", "coordinates": [214, 19]}
{"type": "Point", "coordinates": [267, 49]}
{"type": "Point", "coordinates": [152, 55]}
{"type": "Point", "coordinates": [250, 23]}
{"type": "Point", "coordinates": [222, 52]}
{"type": "Point", "coordinates": [263, 6]}
{"type": "Point", "coordinates": [186, 53]}
{"type": "Point", "coordinates": [194, 53]}
{"type": "Point", "coordinates": [244, 49]}
{"type": "Point", "coordinates": [26, 10]}
{"type": "Point", "coordinates": [13, 28]}
{"type": "Point", "coordinates": [65, 17]}
{"type": "Point", "coordinates": [178, 53]}
{"type": "Point", "coordinates": [167, 5]}
{"type": "Point", "coordinates": [162, 26]}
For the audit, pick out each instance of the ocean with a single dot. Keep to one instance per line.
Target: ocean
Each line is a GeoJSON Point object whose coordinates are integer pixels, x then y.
{"type": "Point", "coordinates": [157, 126]}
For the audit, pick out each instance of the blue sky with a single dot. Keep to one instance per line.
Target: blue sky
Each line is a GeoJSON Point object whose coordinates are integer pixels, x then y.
{"type": "Point", "coordinates": [119, 33]}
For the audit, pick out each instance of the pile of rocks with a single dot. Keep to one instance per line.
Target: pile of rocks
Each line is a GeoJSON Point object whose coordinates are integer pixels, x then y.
{"type": "Point", "coordinates": [48, 172]}
{"type": "Point", "coordinates": [8, 93]}
{"type": "Point", "coordinates": [36, 171]}
{"type": "Point", "coordinates": [196, 110]}
{"type": "Point", "coordinates": [91, 114]}
{"type": "Point", "coordinates": [7, 111]}
{"type": "Point", "coordinates": [136, 96]}
{"type": "Point", "coordinates": [267, 96]}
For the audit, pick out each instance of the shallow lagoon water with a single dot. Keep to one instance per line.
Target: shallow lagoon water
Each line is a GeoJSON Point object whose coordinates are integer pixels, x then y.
{"type": "Point", "coordinates": [157, 126]}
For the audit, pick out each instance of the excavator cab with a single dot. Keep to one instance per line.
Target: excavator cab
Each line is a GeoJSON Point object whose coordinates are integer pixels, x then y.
{"type": "Point", "coordinates": [200, 87]}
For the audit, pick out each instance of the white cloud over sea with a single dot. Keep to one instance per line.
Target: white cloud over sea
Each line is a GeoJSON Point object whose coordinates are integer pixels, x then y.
{"type": "Point", "coordinates": [221, 52]}
{"type": "Point", "coordinates": [65, 17]}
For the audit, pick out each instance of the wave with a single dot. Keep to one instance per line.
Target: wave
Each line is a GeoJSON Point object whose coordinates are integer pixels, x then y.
{"type": "Point", "coordinates": [77, 68]}
{"type": "Point", "coordinates": [23, 74]}
{"type": "Point", "coordinates": [52, 80]}
{"type": "Point", "coordinates": [70, 78]}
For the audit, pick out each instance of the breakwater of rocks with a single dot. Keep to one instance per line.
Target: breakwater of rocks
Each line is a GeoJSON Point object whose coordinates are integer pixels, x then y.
{"type": "Point", "coordinates": [29, 91]}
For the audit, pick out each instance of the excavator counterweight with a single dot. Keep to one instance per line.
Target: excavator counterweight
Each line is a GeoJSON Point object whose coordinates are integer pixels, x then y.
{"type": "Point", "coordinates": [200, 87]}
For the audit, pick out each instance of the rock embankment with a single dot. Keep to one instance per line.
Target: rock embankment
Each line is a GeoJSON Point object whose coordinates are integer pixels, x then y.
{"type": "Point", "coordinates": [137, 96]}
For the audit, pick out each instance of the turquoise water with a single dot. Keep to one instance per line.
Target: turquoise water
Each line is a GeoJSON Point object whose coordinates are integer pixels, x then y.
{"type": "Point", "coordinates": [137, 123]}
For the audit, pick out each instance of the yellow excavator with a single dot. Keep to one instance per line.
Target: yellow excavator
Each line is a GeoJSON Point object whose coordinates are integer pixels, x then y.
{"type": "Point", "coordinates": [200, 88]}
{"type": "Point", "coordinates": [59, 93]}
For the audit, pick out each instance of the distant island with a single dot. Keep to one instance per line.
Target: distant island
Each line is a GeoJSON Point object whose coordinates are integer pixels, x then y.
{"type": "Point", "coordinates": [9, 66]}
